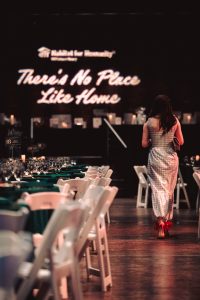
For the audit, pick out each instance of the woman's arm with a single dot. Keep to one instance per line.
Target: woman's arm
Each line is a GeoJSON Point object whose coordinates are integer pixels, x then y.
{"type": "Point", "coordinates": [178, 133]}
{"type": "Point", "coordinates": [145, 136]}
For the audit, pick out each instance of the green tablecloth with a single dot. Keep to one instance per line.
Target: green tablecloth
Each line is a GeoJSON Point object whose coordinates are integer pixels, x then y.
{"type": "Point", "coordinates": [35, 184]}
{"type": "Point", "coordinates": [37, 220]}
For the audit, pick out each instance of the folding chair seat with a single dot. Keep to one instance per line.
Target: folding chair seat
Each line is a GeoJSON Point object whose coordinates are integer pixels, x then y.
{"type": "Point", "coordinates": [143, 186]}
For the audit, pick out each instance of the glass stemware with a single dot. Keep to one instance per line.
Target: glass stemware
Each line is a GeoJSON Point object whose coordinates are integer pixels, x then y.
{"type": "Point", "coordinates": [18, 170]}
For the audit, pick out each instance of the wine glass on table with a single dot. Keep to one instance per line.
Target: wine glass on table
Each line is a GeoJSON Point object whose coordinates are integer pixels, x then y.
{"type": "Point", "coordinates": [18, 170]}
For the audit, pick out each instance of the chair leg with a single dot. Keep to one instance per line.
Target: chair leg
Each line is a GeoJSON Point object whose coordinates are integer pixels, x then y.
{"type": "Point", "coordinates": [186, 196]}
{"type": "Point", "coordinates": [146, 197]}
{"type": "Point", "coordinates": [44, 292]}
{"type": "Point", "coordinates": [199, 225]}
{"type": "Point", "coordinates": [103, 253]}
{"type": "Point", "coordinates": [63, 288]}
{"type": "Point", "coordinates": [142, 200]}
{"type": "Point", "coordinates": [139, 195]}
{"type": "Point", "coordinates": [197, 201]}
{"type": "Point", "coordinates": [88, 261]}
{"type": "Point", "coordinates": [76, 282]}
{"type": "Point", "coordinates": [176, 205]}
{"type": "Point", "coordinates": [108, 217]}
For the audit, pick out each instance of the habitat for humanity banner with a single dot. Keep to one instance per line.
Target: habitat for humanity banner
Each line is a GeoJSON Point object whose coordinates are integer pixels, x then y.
{"type": "Point", "coordinates": [75, 76]}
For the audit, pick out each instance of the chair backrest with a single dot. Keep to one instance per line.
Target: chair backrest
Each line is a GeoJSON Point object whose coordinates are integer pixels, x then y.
{"type": "Point", "coordinates": [97, 198]}
{"type": "Point", "coordinates": [92, 172]}
{"type": "Point", "coordinates": [196, 176]}
{"type": "Point", "coordinates": [76, 185]}
{"type": "Point", "coordinates": [102, 181]}
{"type": "Point", "coordinates": [69, 217]}
{"type": "Point", "coordinates": [62, 185]}
{"type": "Point", "coordinates": [180, 176]}
{"type": "Point", "coordinates": [13, 220]}
{"type": "Point", "coordinates": [141, 172]}
{"type": "Point", "coordinates": [108, 173]}
{"type": "Point", "coordinates": [103, 170]}
{"type": "Point", "coordinates": [39, 203]}
{"type": "Point", "coordinates": [45, 200]}
{"type": "Point", "coordinates": [110, 193]}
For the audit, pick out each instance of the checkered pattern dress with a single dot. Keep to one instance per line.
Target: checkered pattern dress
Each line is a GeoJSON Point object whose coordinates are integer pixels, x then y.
{"type": "Point", "coordinates": [162, 170]}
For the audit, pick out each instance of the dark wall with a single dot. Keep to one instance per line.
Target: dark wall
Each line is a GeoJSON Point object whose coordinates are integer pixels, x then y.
{"type": "Point", "coordinates": [161, 48]}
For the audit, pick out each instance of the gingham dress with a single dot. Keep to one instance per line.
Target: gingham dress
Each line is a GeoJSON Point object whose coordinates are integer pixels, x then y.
{"type": "Point", "coordinates": [162, 170]}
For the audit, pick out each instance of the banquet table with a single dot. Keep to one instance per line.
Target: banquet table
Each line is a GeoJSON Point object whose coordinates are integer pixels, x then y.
{"type": "Point", "coordinates": [10, 192]}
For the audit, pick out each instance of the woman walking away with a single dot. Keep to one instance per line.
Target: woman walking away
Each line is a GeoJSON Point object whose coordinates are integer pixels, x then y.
{"type": "Point", "coordinates": [158, 133]}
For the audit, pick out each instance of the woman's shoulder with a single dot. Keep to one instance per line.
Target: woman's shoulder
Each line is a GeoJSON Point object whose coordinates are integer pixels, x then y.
{"type": "Point", "coordinates": [177, 122]}
{"type": "Point", "coordinates": [153, 121]}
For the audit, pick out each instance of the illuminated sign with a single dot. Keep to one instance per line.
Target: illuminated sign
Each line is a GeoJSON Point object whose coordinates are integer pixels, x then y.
{"type": "Point", "coordinates": [81, 78]}
{"type": "Point", "coordinates": [55, 87]}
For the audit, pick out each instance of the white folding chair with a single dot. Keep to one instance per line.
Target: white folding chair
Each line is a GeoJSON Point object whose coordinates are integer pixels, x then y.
{"type": "Point", "coordinates": [13, 220]}
{"type": "Point", "coordinates": [14, 249]}
{"type": "Point", "coordinates": [45, 201]}
{"type": "Point", "coordinates": [108, 173]}
{"type": "Point", "coordinates": [181, 186]}
{"type": "Point", "coordinates": [103, 181]}
{"type": "Point", "coordinates": [196, 176]}
{"type": "Point", "coordinates": [67, 216]}
{"type": "Point", "coordinates": [143, 186]}
{"type": "Point", "coordinates": [91, 172]}
{"type": "Point", "coordinates": [77, 186]}
{"type": "Point", "coordinates": [99, 235]}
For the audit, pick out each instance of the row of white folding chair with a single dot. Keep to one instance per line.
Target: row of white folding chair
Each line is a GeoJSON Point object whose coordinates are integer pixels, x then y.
{"type": "Point", "coordinates": [95, 171]}
{"type": "Point", "coordinates": [14, 249]}
{"type": "Point", "coordinates": [79, 186]}
{"type": "Point", "coordinates": [96, 203]}
{"type": "Point", "coordinates": [99, 235]}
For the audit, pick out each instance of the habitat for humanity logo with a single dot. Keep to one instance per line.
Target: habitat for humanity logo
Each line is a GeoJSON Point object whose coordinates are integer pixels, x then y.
{"type": "Point", "coordinates": [72, 55]}
{"type": "Point", "coordinates": [44, 52]}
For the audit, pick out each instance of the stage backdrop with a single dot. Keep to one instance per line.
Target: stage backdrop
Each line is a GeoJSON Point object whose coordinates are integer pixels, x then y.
{"type": "Point", "coordinates": [79, 63]}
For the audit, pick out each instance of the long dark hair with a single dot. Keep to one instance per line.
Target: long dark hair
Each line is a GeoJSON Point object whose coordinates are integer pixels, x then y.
{"type": "Point", "coordinates": [162, 107]}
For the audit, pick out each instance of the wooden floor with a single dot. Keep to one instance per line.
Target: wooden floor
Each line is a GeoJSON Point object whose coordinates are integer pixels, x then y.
{"type": "Point", "coordinates": [144, 267]}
